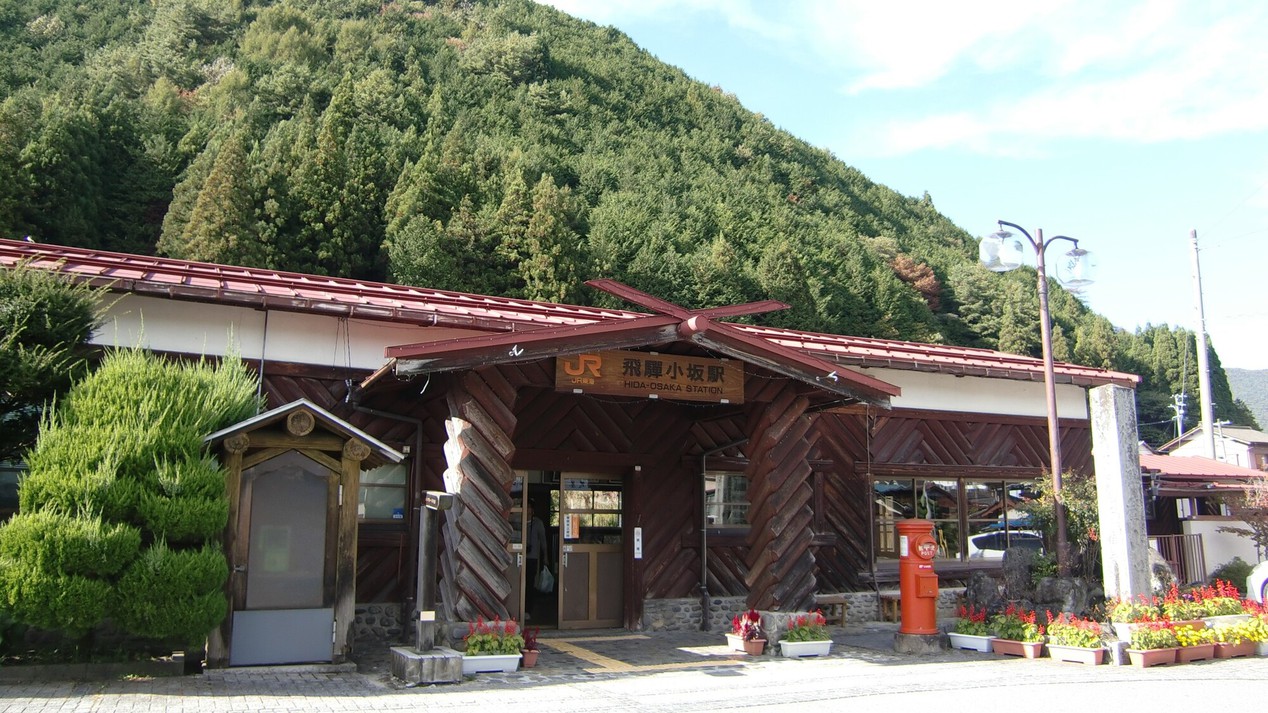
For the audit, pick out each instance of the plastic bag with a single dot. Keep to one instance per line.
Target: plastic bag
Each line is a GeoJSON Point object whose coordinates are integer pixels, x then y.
{"type": "Point", "coordinates": [545, 581]}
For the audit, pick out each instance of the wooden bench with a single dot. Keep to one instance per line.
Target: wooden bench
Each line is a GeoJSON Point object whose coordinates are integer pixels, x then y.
{"type": "Point", "coordinates": [890, 602]}
{"type": "Point", "coordinates": [834, 607]}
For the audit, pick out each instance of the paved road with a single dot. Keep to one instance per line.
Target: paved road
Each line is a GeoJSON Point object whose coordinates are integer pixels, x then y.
{"type": "Point", "coordinates": [688, 672]}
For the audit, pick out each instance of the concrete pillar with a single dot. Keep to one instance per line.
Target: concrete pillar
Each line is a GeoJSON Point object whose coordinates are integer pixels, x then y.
{"type": "Point", "coordinates": [1120, 501]}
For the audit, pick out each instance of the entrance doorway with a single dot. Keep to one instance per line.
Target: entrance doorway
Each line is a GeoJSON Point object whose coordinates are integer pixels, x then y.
{"type": "Point", "coordinates": [534, 494]}
{"type": "Point", "coordinates": [591, 578]}
{"type": "Point", "coordinates": [582, 519]}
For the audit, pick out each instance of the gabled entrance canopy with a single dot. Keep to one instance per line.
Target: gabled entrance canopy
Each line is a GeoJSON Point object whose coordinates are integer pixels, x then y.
{"type": "Point", "coordinates": [292, 476]}
{"type": "Point", "coordinates": [670, 323]}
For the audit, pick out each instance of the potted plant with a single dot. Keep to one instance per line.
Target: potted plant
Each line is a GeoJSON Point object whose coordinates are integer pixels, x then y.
{"type": "Point", "coordinates": [807, 635]}
{"type": "Point", "coordinates": [747, 634]}
{"type": "Point", "coordinates": [1182, 608]}
{"type": "Point", "coordinates": [1195, 644]}
{"type": "Point", "coordinates": [492, 647]}
{"type": "Point", "coordinates": [1126, 613]}
{"type": "Point", "coordinates": [1152, 644]}
{"type": "Point", "coordinates": [1017, 633]}
{"type": "Point", "coordinates": [1238, 639]}
{"type": "Point", "coordinates": [971, 632]}
{"type": "Point", "coordinates": [530, 650]}
{"type": "Point", "coordinates": [1073, 638]}
{"type": "Point", "coordinates": [1221, 604]}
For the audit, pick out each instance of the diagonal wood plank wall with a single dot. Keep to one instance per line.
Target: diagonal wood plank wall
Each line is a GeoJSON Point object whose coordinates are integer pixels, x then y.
{"type": "Point", "coordinates": [782, 561]}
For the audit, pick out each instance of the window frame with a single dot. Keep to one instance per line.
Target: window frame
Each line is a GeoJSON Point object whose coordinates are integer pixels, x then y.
{"type": "Point", "coordinates": [708, 506]}
{"type": "Point", "coordinates": [964, 525]}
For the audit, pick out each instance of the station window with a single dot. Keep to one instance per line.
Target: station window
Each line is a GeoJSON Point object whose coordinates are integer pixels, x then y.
{"type": "Point", "coordinates": [972, 519]}
{"type": "Point", "coordinates": [725, 499]}
{"type": "Point", "coordinates": [382, 493]}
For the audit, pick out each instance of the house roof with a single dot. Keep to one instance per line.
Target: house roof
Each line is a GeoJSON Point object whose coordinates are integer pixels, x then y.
{"type": "Point", "coordinates": [315, 294]}
{"type": "Point", "coordinates": [1237, 434]}
{"type": "Point", "coordinates": [1194, 475]}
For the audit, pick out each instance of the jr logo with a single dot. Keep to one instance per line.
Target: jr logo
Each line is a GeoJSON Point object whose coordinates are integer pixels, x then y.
{"type": "Point", "coordinates": [582, 364]}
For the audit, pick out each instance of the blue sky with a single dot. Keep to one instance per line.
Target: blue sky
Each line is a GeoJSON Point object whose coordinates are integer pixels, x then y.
{"type": "Point", "coordinates": [1123, 124]}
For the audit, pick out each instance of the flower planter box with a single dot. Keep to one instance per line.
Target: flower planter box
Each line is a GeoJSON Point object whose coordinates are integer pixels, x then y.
{"type": "Point", "coordinates": [1189, 654]}
{"type": "Point", "coordinates": [1144, 658]}
{"type": "Point", "coordinates": [1123, 630]}
{"type": "Point", "coordinates": [969, 642]}
{"type": "Point", "coordinates": [1077, 654]}
{"type": "Point", "coordinates": [800, 649]}
{"type": "Point", "coordinates": [1024, 649]}
{"type": "Point", "coordinates": [498, 663]}
{"type": "Point", "coordinates": [1262, 648]}
{"type": "Point", "coordinates": [1215, 622]}
{"type": "Point", "coordinates": [1232, 651]}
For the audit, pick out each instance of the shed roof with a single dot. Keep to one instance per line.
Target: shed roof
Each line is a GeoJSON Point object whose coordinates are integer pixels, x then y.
{"type": "Point", "coordinates": [380, 452]}
{"type": "Point", "coordinates": [316, 294]}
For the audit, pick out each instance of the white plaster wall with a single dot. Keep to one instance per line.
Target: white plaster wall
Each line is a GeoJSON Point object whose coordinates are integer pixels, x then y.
{"type": "Point", "coordinates": [194, 327]}
{"type": "Point", "coordinates": [1220, 547]}
{"type": "Point", "coordinates": [945, 392]}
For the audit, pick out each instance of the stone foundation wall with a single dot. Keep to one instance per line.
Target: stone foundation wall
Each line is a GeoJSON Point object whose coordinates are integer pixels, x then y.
{"type": "Point", "coordinates": [684, 614]}
{"type": "Point", "coordinates": [383, 622]}
{"type": "Point", "coordinates": [386, 622]}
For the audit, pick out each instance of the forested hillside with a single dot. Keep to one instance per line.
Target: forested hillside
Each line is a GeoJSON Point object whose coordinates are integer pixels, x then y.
{"type": "Point", "coordinates": [497, 147]}
{"type": "Point", "coordinates": [1251, 387]}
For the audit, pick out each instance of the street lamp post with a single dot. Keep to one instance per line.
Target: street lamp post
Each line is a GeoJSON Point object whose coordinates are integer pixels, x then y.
{"type": "Point", "coordinates": [1001, 252]}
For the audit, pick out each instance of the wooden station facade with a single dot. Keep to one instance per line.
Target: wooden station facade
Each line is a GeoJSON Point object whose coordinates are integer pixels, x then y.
{"type": "Point", "coordinates": [671, 454]}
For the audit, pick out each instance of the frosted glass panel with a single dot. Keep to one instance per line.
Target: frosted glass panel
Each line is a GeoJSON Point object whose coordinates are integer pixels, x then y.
{"type": "Point", "coordinates": [287, 556]}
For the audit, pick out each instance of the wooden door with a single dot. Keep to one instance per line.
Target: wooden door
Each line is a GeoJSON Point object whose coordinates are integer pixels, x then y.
{"type": "Point", "coordinates": [284, 563]}
{"type": "Point", "coordinates": [591, 560]}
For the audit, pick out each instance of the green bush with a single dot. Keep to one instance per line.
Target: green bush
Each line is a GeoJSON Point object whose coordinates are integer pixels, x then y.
{"type": "Point", "coordinates": [183, 520]}
{"type": "Point", "coordinates": [1235, 572]}
{"type": "Point", "coordinates": [70, 603]}
{"type": "Point", "coordinates": [170, 593]}
{"type": "Point", "coordinates": [121, 510]}
{"type": "Point", "coordinates": [73, 545]}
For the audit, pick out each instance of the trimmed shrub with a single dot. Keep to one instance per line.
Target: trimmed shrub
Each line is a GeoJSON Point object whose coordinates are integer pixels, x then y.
{"type": "Point", "coordinates": [120, 497]}
{"type": "Point", "coordinates": [72, 545]}
{"type": "Point", "coordinates": [168, 593]}
{"type": "Point", "coordinates": [183, 520]}
{"type": "Point", "coordinates": [70, 603]}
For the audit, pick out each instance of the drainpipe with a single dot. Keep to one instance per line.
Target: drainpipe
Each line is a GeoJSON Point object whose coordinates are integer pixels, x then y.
{"type": "Point", "coordinates": [704, 535]}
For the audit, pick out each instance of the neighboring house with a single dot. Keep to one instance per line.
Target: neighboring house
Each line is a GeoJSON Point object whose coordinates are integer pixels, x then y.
{"type": "Point", "coordinates": [1237, 445]}
{"type": "Point", "coordinates": [677, 460]}
{"type": "Point", "coordinates": [1185, 511]}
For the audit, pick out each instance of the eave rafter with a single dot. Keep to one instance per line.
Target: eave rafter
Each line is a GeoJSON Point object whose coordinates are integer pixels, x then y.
{"type": "Point", "coordinates": [670, 323]}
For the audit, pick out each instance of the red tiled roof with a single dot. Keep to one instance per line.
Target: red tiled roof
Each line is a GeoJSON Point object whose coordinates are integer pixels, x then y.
{"type": "Point", "coordinates": [1195, 467]}
{"type": "Point", "coordinates": [965, 361]}
{"type": "Point", "coordinates": [207, 282]}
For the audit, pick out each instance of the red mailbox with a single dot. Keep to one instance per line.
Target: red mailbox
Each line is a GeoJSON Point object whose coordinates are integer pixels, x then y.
{"type": "Point", "coordinates": [917, 582]}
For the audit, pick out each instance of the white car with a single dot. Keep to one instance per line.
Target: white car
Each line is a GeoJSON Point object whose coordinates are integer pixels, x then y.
{"type": "Point", "coordinates": [1257, 583]}
{"type": "Point", "coordinates": [991, 545]}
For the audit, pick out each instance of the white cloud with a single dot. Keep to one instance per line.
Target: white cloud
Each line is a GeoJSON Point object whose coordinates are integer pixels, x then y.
{"type": "Point", "coordinates": [1009, 77]}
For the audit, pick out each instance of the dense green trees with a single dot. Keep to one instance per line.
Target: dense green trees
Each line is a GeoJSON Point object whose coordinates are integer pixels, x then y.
{"type": "Point", "coordinates": [45, 322]}
{"type": "Point", "coordinates": [496, 146]}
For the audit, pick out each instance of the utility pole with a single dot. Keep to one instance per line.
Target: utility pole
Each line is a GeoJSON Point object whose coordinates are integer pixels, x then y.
{"type": "Point", "coordinates": [1178, 405]}
{"type": "Point", "coordinates": [1204, 366]}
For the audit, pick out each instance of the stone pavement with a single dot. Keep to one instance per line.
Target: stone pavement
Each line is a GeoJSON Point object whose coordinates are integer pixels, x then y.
{"type": "Point", "coordinates": [621, 671]}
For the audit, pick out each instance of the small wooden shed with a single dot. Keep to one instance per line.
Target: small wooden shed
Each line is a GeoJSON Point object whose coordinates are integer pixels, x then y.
{"type": "Point", "coordinates": [291, 540]}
